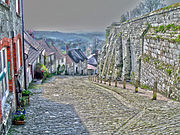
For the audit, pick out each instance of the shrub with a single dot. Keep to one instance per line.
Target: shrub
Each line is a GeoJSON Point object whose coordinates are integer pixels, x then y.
{"type": "Point", "coordinates": [26, 92]}
{"type": "Point", "coordinates": [45, 73]}
{"type": "Point", "coordinates": [38, 73]}
{"type": "Point", "coordinates": [60, 69]}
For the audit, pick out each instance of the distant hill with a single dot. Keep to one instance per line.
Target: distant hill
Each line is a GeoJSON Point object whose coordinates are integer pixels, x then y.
{"type": "Point", "coordinates": [82, 40]}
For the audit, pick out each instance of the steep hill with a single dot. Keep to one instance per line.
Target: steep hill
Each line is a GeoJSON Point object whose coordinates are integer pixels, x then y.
{"type": "Point", "coordinates": [81, 40]}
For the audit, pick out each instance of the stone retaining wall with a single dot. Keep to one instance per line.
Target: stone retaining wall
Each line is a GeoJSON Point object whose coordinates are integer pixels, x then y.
{"type": "Point", "coordinates": [145, 49]}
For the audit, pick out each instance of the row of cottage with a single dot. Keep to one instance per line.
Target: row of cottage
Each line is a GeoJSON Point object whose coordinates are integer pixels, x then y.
{"type": "Point", "coordinates": [19, 54]}
{"type": "Point", "coordinates": [39, 51]}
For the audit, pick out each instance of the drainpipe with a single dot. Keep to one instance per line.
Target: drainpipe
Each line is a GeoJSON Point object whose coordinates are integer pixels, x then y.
{"type": "Point", "coordinates": [25, 85]}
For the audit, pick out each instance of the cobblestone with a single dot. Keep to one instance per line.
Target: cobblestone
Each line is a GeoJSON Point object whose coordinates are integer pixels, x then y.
{"type": "Point", "coordinates": [76, 106]}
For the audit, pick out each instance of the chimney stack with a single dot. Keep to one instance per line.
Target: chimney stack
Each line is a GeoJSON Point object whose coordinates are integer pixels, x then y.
{"type": "Point", "coordinates": [31, 33]}
{"type": "Point", "coordinates": [67, 47]}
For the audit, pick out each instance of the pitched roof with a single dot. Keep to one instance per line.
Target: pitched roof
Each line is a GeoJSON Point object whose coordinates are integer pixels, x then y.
{"type": "Point", "coordinates": [60, 52]}
{"type": "Point", "coordinates": [57, 52]}
{"type": "Point", "coordinates": [76, 55]}
{"type": "Point", "coordinates": [82, 54]}
{"type": "Point", "coordinates": [32, 42]}
{"type": "Point", "coordinates": [26, 47]}
{"type": "Point", "coordinates": [48, 49]}
{"type": "Point", "coordinates": [92, 60]}
{"type": "Point", "coordinates": [32, 53]}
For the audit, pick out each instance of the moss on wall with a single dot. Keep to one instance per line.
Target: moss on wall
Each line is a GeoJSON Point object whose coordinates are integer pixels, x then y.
{"type": "Point", "coordinates": [159, 33]}
{"type": "Point", "coordinates": [170, 70]}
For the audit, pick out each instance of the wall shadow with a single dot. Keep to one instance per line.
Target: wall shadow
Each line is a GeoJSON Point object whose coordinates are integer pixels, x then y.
{"type": "Point", "coordinates": [48, 117]}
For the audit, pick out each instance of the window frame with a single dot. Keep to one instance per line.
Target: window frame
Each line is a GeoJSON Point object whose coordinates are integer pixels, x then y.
{"type": "Point", "coordinates": [52, 58]}
{"type": "Point", "coordinates": [18, 55]}
{"type": "Point", "coordinates": [4, 92]}
{"type": "Point", "coordinates": [18, 7]}
{"type": "Point", "coordinates": [49, 59]}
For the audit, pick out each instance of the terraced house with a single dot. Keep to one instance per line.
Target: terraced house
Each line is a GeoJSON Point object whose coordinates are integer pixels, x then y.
{"type": "Point", "coordinates": [60, 59]}
{"type": "Point", "coordinates": [34, 54]}
{"type": "Point", "coordinates": [11, 59]}
{"type": "Point", "coordinates": [49, 60]}
{"type": "Point", "coordinates": [79, 65]}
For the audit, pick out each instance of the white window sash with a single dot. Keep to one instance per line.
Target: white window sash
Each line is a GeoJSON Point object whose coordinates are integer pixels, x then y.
{"type": "Point", "coordinates": [18, 55]}
{"type": "Point", "coordinates": [17, 6]}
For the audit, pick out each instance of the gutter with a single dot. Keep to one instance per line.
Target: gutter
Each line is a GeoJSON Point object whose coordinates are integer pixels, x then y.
{"type": "Point", "coordinates": [25, 85]}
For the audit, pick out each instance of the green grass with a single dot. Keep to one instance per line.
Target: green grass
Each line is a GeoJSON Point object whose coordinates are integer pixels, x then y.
{"type": "Point", "coordinates": [145, 87]}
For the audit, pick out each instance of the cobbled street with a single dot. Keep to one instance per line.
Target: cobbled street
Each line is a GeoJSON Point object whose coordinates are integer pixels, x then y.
{"type": "Point", "coordinates": [77, 106]}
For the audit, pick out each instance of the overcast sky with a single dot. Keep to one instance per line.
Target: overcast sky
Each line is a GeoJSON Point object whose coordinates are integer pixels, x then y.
{"type": "Point", "coordinates": [75, 15]}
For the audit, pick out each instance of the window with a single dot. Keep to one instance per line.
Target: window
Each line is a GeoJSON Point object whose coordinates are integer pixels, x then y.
{"type": "Point", "coordinates": [18, 6]}
{"type": "Point", "coordinates": [5, 83]}
{"type": "Point", "coordinates": [39, 58]}
{"type": "Point", "coordinates": [18, 54]}
{"type": "Point", "coordinates": [52, 57]}
{"type": "Point", "coordinates": [4, 59]}
{"type": "Point", "coordinates": [2, 89]}
{"type": "Point", "coordinates": [4, 86]}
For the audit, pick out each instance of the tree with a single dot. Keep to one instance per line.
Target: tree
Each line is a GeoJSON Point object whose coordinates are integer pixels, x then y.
{"type": "Point", "coordinates": [144, 7]}
{"type": "Point", "coordinates": [95, 43]}
{"type": "Point", "coordinates": [151, 5]}
{"type": "Point", "coordinates": [123, 18]}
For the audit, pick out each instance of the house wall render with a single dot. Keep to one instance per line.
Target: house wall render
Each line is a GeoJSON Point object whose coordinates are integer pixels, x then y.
{"type": "Point", "coordinates": [10, 39]}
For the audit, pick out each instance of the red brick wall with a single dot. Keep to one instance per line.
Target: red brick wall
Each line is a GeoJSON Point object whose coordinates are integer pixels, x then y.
{"type": "Point", "coordinates": [21, 59]}
{"type": "Point", "coordinates": [5, 42]}
{"type": "Point", "coordinates": [1, 112]}
{"type": "Point", "coordinates": [9, 60]}
{"type": "Point", "coordinates": [8, 2]}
